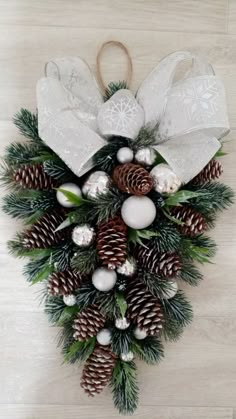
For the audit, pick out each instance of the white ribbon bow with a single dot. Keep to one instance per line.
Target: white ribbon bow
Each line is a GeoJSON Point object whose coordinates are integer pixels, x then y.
{"type": "Point", "coordinates": [190, 115]}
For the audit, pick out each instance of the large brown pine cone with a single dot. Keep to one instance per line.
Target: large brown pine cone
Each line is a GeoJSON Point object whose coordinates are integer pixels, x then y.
{"type": "Point", "coordinates": [98, 370]}
{"type": "Point", "coordinates": [144, 309]}
{"type": "Point", "coordinates": [42, 234]}
{"type": "Point", "coordinates": [88, 323]}
{"type": "Point", "coordinates": [193, 221]}
{"type": "Point", "coordinates": [112, 242]}
{"type": "Point", "coordinates": [211, 171]}
{"type": "Point", "coordinates": [33, 176]}
{"type": "Point", "coordinates": [163, 264]}
{"type": "Point", "coordinates": [63, 283]}
{"type": "Point", "coordinates": [132, 178]}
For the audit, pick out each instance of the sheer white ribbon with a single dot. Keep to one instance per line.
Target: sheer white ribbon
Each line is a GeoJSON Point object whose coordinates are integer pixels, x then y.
{"type": "Point", "coordinates": [190, 115]}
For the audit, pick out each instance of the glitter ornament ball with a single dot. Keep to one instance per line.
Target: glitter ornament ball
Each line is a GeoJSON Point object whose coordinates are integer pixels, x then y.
{"type": "Point", "coordinates": [165, 180]}
{"type": "Point", "coordinates": [69, 300]}
{"type": "Point", "coordinates": [83, 235]}
{"type": "Point", "coordinates": [125, 155]}
{"type": "Point", "coordinates": [104, 279]}
{"type": "Point", "coordinates": [138, 212]}
{"type": "Point", "coordinates": [96, 184]}
{"type": "Point", "coordinates": [145, 156]}
{"type": "Point", "coordinates": [127, 357]}
{"type": "Point", "coordinates": [128, 268]}
{"type": "Point", "coordinates": [122, 324]}
{"type": "Point", "coordinates": [140, 333]}
{"type": "Point", "coordinates": [170, 293]}
{"type": "Point", "coordinates": [104, 337]}
{"type": "Point", "coordinates": [69, 187]}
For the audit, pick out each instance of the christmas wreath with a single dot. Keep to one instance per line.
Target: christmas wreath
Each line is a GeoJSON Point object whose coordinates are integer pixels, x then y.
{"type": "Point", "coordinates": [117, 192]}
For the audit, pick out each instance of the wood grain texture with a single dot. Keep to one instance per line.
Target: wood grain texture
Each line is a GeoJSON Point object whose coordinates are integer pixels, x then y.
{"type": "Point", "coordinates": [197, 379]}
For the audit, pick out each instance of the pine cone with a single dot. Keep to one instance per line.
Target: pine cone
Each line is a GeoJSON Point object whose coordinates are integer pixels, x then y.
{"type": "Point", "coordinates": [34, 177]}
{"type": "Point", "coordinates": [132, 178]}
{"type": "Point", "coordinates": [163, 264]}
{"type": "Point", "coordinates": [211, 171]}
{"type": "Point", "coordinates": [42, 234]}
{"type": "Point", "coordinates": [194, 223]}
{"type": "Point", "coordinates": [144, 309]}
{"type": "Point", "coordinates": [88, 323]}
{"type": "Point", "coordinates": [98, 370]}
{"type": "Point", "coordinates": [112, 242]}
{"type": "Point", "coordinates": [63, 283]}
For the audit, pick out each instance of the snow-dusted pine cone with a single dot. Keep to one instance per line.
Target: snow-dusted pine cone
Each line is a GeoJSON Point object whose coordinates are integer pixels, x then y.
{"type": "Point", "coordinates": [63, 283]}
{"type": "Point", "coordinates": [132, 178]}
{"type": "Point", "coordinates": [210, 172]}
{"type": "Point", "coordinates": [88, 323]}
{"type": "Point", "coordinates": [98, 370]}
{"type": "Point", "coordinates": [33, 176]}
{"type": "Point", "coordinates": [143, 309]}
{"type": "Point", "coordinates": [112, 242]}
{"type": "Point", "coordinates": [42, 234]}
{"type": "Point", "coordinates": [163, 264]}
{"type": "Point", "coordinates": [193, 221]}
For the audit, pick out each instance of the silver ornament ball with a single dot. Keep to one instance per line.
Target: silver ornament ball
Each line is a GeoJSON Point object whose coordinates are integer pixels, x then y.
{"type": "Point", "coordinates": [127, 356]}
{"type": "Point", "coordinates": [140, 333]}
{"type": "Point", "coordinates": [145, 156]}
{"type": "Point", "coordinates": [96, 184]}
{"type": "Point", "coordinates": [138, 212]}
{"type": "Point", "coordinates": [104, 337]}
{"type": "Point", "coordinates": [69, 187]}
{"type": "Point", "coordinates": [128, 268]}
{"type": "Point", "coordinates": [165, 180]}
{"type": "Point", "coordinates": [104, 279]}
{"type": "Point", "coordinates": [125, 155]}
{"type": "Point", "coordinates": [83, 235]}
{"type": "Point", "coordinates": [69, 300]}
{"type": "Point", "coordinates": [122, 323]}
{"type": "Point", "coordinates": [171, 291]}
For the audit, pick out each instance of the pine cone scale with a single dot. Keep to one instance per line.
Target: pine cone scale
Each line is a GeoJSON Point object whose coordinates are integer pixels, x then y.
{"type": "Point", "coordinates": [112, 242]}
{"type": "Point", "coordinates": [63, 283]}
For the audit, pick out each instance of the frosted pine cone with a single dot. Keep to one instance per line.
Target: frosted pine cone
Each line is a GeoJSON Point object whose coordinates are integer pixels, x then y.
{"type": "Point", "coordinates": [163, 264]}
{"type": "Point", "coordinates": [63, 283]}
{"type": "Point", "coordinates": [33, 177]}
{"type": "Point", "coordinates": [211, 171]}
{"type": "Point", "coordinates": [88, 323]}
{"type": "Point", "coordinates": [112, 242]}
{"type": "Point", "coordinates": [193, 221]}
{"type": "Point", "coordinates": [132, 178]}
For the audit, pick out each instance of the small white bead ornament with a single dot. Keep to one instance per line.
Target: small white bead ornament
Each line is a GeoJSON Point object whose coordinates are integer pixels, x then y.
{"type": "Point", "coordinates": [145, 156]}
{"type": "Point", "coordinates": [83, 235]}
{"type": "Point", "coordinates": [128, 268]}
{"type": "Point", "coordinates": [104, 337]}
{"type": "Point", "coordinates": [165, 180]}
{"type": "Point", "coordinates": [170, 293]}
{"type": "Point", "coordinates": [69, 300]}
{"type": "Point", "coordinates": [138, 212]}
{"type": "Point", "coordinates": [122, 324]}
{"type": "Point", "coordinates": [140, 333]}
{"type": "Point", "coordinates": [127, 357]}
{"type": "Point", "coordinates": [125, 155]}
{"type": "Point", "coordinates": [96, 184]}
{"type": "Point", "coordinates": [104, 279]}
{"type": "Point", "coordinates": [69, 187]}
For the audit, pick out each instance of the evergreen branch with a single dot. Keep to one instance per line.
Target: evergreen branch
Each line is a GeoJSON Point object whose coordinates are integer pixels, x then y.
{"type": "Point", "coordinates": [16, 248]}
{"type": "Point", "coordinates": [57, 169]}
{"type": "Point", "coordinates": [157, 286]}
{"type": "Point", "coordinates": [199, 248]}
{"type": "Point", "coordinates": [149, 350]}
{"type": "Point", "coordinates": [215, 196]}
{"type": "Point", "coordinates": [54, 307]}
{"type": "Point", "coordinates": [145, 138]}
{"type": "Point", "coordinates": [190, 274]}
{"type": "Point", "coordinates": [21, 153]}
{"type": "Point", "coordinates": [172, 329]}
{"type": "Point", "coordinates": [168, 239]}
{"type": "Point", "coordinates": [113, 87]}
{"type": "Point", "coordinates": [79, 350]}
{"type": "Point", "coordinates": [27, 123]}
{"type": "Point", "coordinates": [121, 341]}
{"type": "Point", "coordinates": [125, 387]}
{"type": "Point", "coordinates": [33, 267]}
{"type": "Point", "coordinates": [86, 295]}
{"type": "Point", "coordinates": [85, 260]}
{"type": "Point", "coordinates": [105, 158]}
{"type": "Point", "coordinates": [178, 309]}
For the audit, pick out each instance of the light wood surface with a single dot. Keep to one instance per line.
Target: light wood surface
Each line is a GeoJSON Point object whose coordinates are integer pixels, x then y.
{"type": "Point", "coordinates": [197, 379]}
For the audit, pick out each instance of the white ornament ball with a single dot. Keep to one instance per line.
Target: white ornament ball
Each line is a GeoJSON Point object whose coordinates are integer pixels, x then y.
{"type": "Point", "coordinates": [127, 357]}
{"type": "Point", "coordinates": [165, 180]}
{"type": "Point", "coordinates": [125, 155]}
{"type": "Point", "coordinates": [138, 212]}
{"type": "Point", "coordinates": [172, 290]}
{"type": "Point", "coordinates": [83, 235]}
{"type": "Point", "coordinates": [128, 268]}
{"type": "Point", "coordinates": [69, 187]}
{"type": "Point", "coordinates": [140, 333]}
{"type": "Point", "coordinates": [122, 324]}
{"type": "Point", "coordinates": [96, 184]}
{"type": "Point", "coordinates": [104, 337]}
{"type": "Point", "coordinates": [69, 300]}
{"type": "Point", "coordinates": [104, 279]}
{"type": "Point", "coordinates": [145, 156]}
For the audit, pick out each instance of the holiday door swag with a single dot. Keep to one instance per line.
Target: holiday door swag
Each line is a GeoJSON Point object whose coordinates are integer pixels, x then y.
{"type": "Point", "coordinates": [117, 192]}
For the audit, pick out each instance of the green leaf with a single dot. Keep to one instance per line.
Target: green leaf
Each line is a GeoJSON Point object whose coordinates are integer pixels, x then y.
{"type": "Point", "coordinates": [71, 197]}
{"type": "Point", "coordinates": [181, 197]}
{"type": "Point", "coordinates": [136, 236]}
{"type": "Point", "coordinates": [170, 217]}
{"type": "Point", "coordinates": [43, 274]}
{"type": "Point", "coordinates": [121, 303]}
{"type": "Point", "coordinates": [220, 153]}
{"type": "Point", "coordinates": [80, 350]}
{"type": "Point", "coordinates": [67, 314]}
